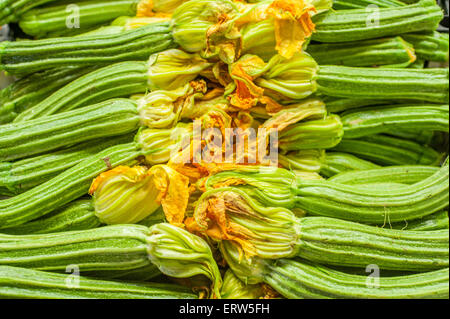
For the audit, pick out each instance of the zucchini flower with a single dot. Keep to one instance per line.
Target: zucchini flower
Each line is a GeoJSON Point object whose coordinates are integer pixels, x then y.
{"type": "Point", "coordinates": [280, 80]}
{"type": "Point", "coordinates": [234, 288]}
{"type": "Point", "coordinates": [172, 69]}
{"type": "Point", "coordinates": [147, 8]}
{"type": "Point", "coordinates": [181, 254]}
{"type": "Point", "coordinates": [127, 195]}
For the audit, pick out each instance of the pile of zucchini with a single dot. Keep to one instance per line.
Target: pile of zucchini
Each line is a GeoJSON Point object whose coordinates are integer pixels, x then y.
{"type": "Point", "coordinates": [109, 189]}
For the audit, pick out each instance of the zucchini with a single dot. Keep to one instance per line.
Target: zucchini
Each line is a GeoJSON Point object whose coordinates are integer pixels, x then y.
{"type": "Point", "coordinates": [118, 80]}
{"type": "Point", "coordinates": [421, 137]}
{"type": "Point", "coordinates": [404, 174]}
{"type": "Point", "coordinates": [22, 283]}
{"type": "Point", "coordinates": [360, 4]}
{"type": "Point", "coordinates": [42, 21]}
{"type": "Point", "coordinates": [19, 176]}
{"type": "Point", "coordinates": [389, 52]}
{"type": "Point", "coordinates": [387, 150]}
{"type": "Point", "coordinates": [24, 57]}
{"type": "Point", "coordinates": [435, 221]}
{"type": "Point", "coordinates": [27, 91]}
{"type": "Point", "coordinates": [362, 24]}
{"type": "Point", "coordinates": [301, 279]}
{"type": "Point", "coordinates": [77, 215]}
{"type": "Point", "coordinates": [336, 162]}
{"type": "Point", "coordinates": [11, 10]}
{"type": "Point", "coordinates": [277, 187]}
{"type": "Point", "coordinates": [429, 85]}
{"type": "Point", "coordinates": [323, 240]}
{"type": "Point", "coordinates": [64, 188]}
{"type": "Point", "coordinates": [336, 105]}
{"type": "Point", "coordinates": [383, 119]}
{"type": "Point", "coordinates": [112, 250]}
{"type": "Point", "coordinates": [106, 119]}
{"type": "Point", "coordinates": [429, 46]}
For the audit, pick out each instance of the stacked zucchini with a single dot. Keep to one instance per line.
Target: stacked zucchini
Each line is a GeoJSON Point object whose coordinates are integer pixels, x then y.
{"type": "Point", "coordinates": [109, 189]}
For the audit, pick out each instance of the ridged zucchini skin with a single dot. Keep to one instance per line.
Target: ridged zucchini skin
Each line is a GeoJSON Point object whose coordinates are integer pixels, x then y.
{"type": "Point", "coordinates": [352, 25]}
{"type": "Point", "coordinates": [429, 85]}
{"type": "Point", "coordinates": [118, 80]}
{"type": "Point", "coordinates": [386, 150]}
{"type": "Point", "coordinates": [23, 57]}
{"type": "Point", "coordinates": [34, 88]}
{"type": "Point", "coordinates": [99, 252]}
{"type": "Point", "coordinates": [429, 46]}
{"type": "Point", "coordinates": [358, 4]}
{"type": "Point", "coordinates": [404, 174]}
{"type": "Point", "coordinates": [22, 283]}
{"type": "Point", "coordinates": [43, 21]}
{"type": "Point", "coordinates": [421, 137]}
{"type": "Point", "coordinates": [19, 176]}
{"type": "Point", "coordinates": [106, 119]}
{"type": "Point", "coordinates": [383, 119]}
{"type": "Point", "coordinates": [337, 242]}
{"type": "Point", "coordinates": [393, 52]}
{"type": "Point", "coordinates": [376, 205]}
{"type": "Point", "coordinates": [296, 279]}
{"type": "Point", "coordinates": [11, 10]}
{"type": "Point", "coordinates": [435, 221]}
{"type": "Point", "coordinates": [336, 162]}
{"type": "Point", "coordinates": [77, 215]}
{"type": "Point", "coordinates": [336, 104]}
{"type": "Point", "coordinates": [64, 188]}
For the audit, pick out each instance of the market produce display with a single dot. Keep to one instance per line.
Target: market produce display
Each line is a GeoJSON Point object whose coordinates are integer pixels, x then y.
{"type": "Point", "coordinates": [224, 149]}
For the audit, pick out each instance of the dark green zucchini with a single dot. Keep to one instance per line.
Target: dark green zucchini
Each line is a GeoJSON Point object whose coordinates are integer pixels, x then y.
{"type": "Point", "coordinates": [106, 119]}
{"type": "Point", "coordinates": [22, 283]}
{"type": "Point", "coordinates": [24, 57]}
{"type": "Point", "coordinates": [19, 176]}
{"type": "Point", "coordinates": [11, 10]}
{"type": "Point", "coordinates": [336, 104]}
{"type": "Point", "coordinates": [360, 4]}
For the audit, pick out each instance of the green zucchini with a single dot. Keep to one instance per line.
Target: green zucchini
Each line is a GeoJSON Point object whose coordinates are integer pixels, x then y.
{"type": "Point", "coordinates": [336, 162]}
{"type": "Point", "coordinates": [383, 119]}
{"type": "Point", "coordinates": [24, 57]}
{"type": "Point", "coordinates": [362, 24]}
{"type": "Point", "coordinates": [429, 46]}
{"type": "Point", "coordinates": [300, 279]}
{"type": "Point", "coordinates": [387, 150]}
{"type": "Point", "coordinates": [324, 240]}
{"type": "Point", "coordinates": [435, 221]}
{"type": "Point", "coordinates": [11, 10]}
{"type": "Point", "coordinates": [394, 52]}
{"type": "Point", "coordinates": [277, 187]}
{"type": "Point", "coordinates": [404, 174]}
{"type": "Point", "coordinates": [19, 176]}
{"type": "Point", "coordinates": [42, 21]}
{"type": "Point", "coordinates": [360, 4]}
{"type": "Point", "coordinates": [77, 215]}
{"type": "Point", "coordinates": [22, 283]}
{"type": "Point", "coordinates": [25, 92]}
{"type": "Point", "coordinates": [336, 105]}
{"type": "Point", "coordinates": [112, 250]}
{"type": "Point", "coordinates": [106, 119]}
{"type": "Point", "coordinates": [421, 137]}
{"type": "Point", "coordinates": [118, 80]}
{"type": "Point", "coordinates": [385, 83]}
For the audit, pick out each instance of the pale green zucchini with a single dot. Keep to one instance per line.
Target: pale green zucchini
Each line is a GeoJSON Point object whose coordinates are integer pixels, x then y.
{"type": "Point", "coordinates": [78, 215]}
{"type": "Point", "coordinates": [27, 91]}
{"type": "Point", "coordinates": [22, 283]}
{"type": "Point", "coordinates": [387, 150]}
{"type": "Point", "coordinates": [435, 221]}
{"type": "Point", "coordinates": [404, 174]}
{"type": "Point", "coordinates": [19, 176]}
{"type": "Point", "coordinates": [109, 118]}
{"type": "Point", "coordinates": [384, 119]}
{"type": "Point", "coordinates": [429, 46]}
{"type": "Point", "coordinates": [336, 162]}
